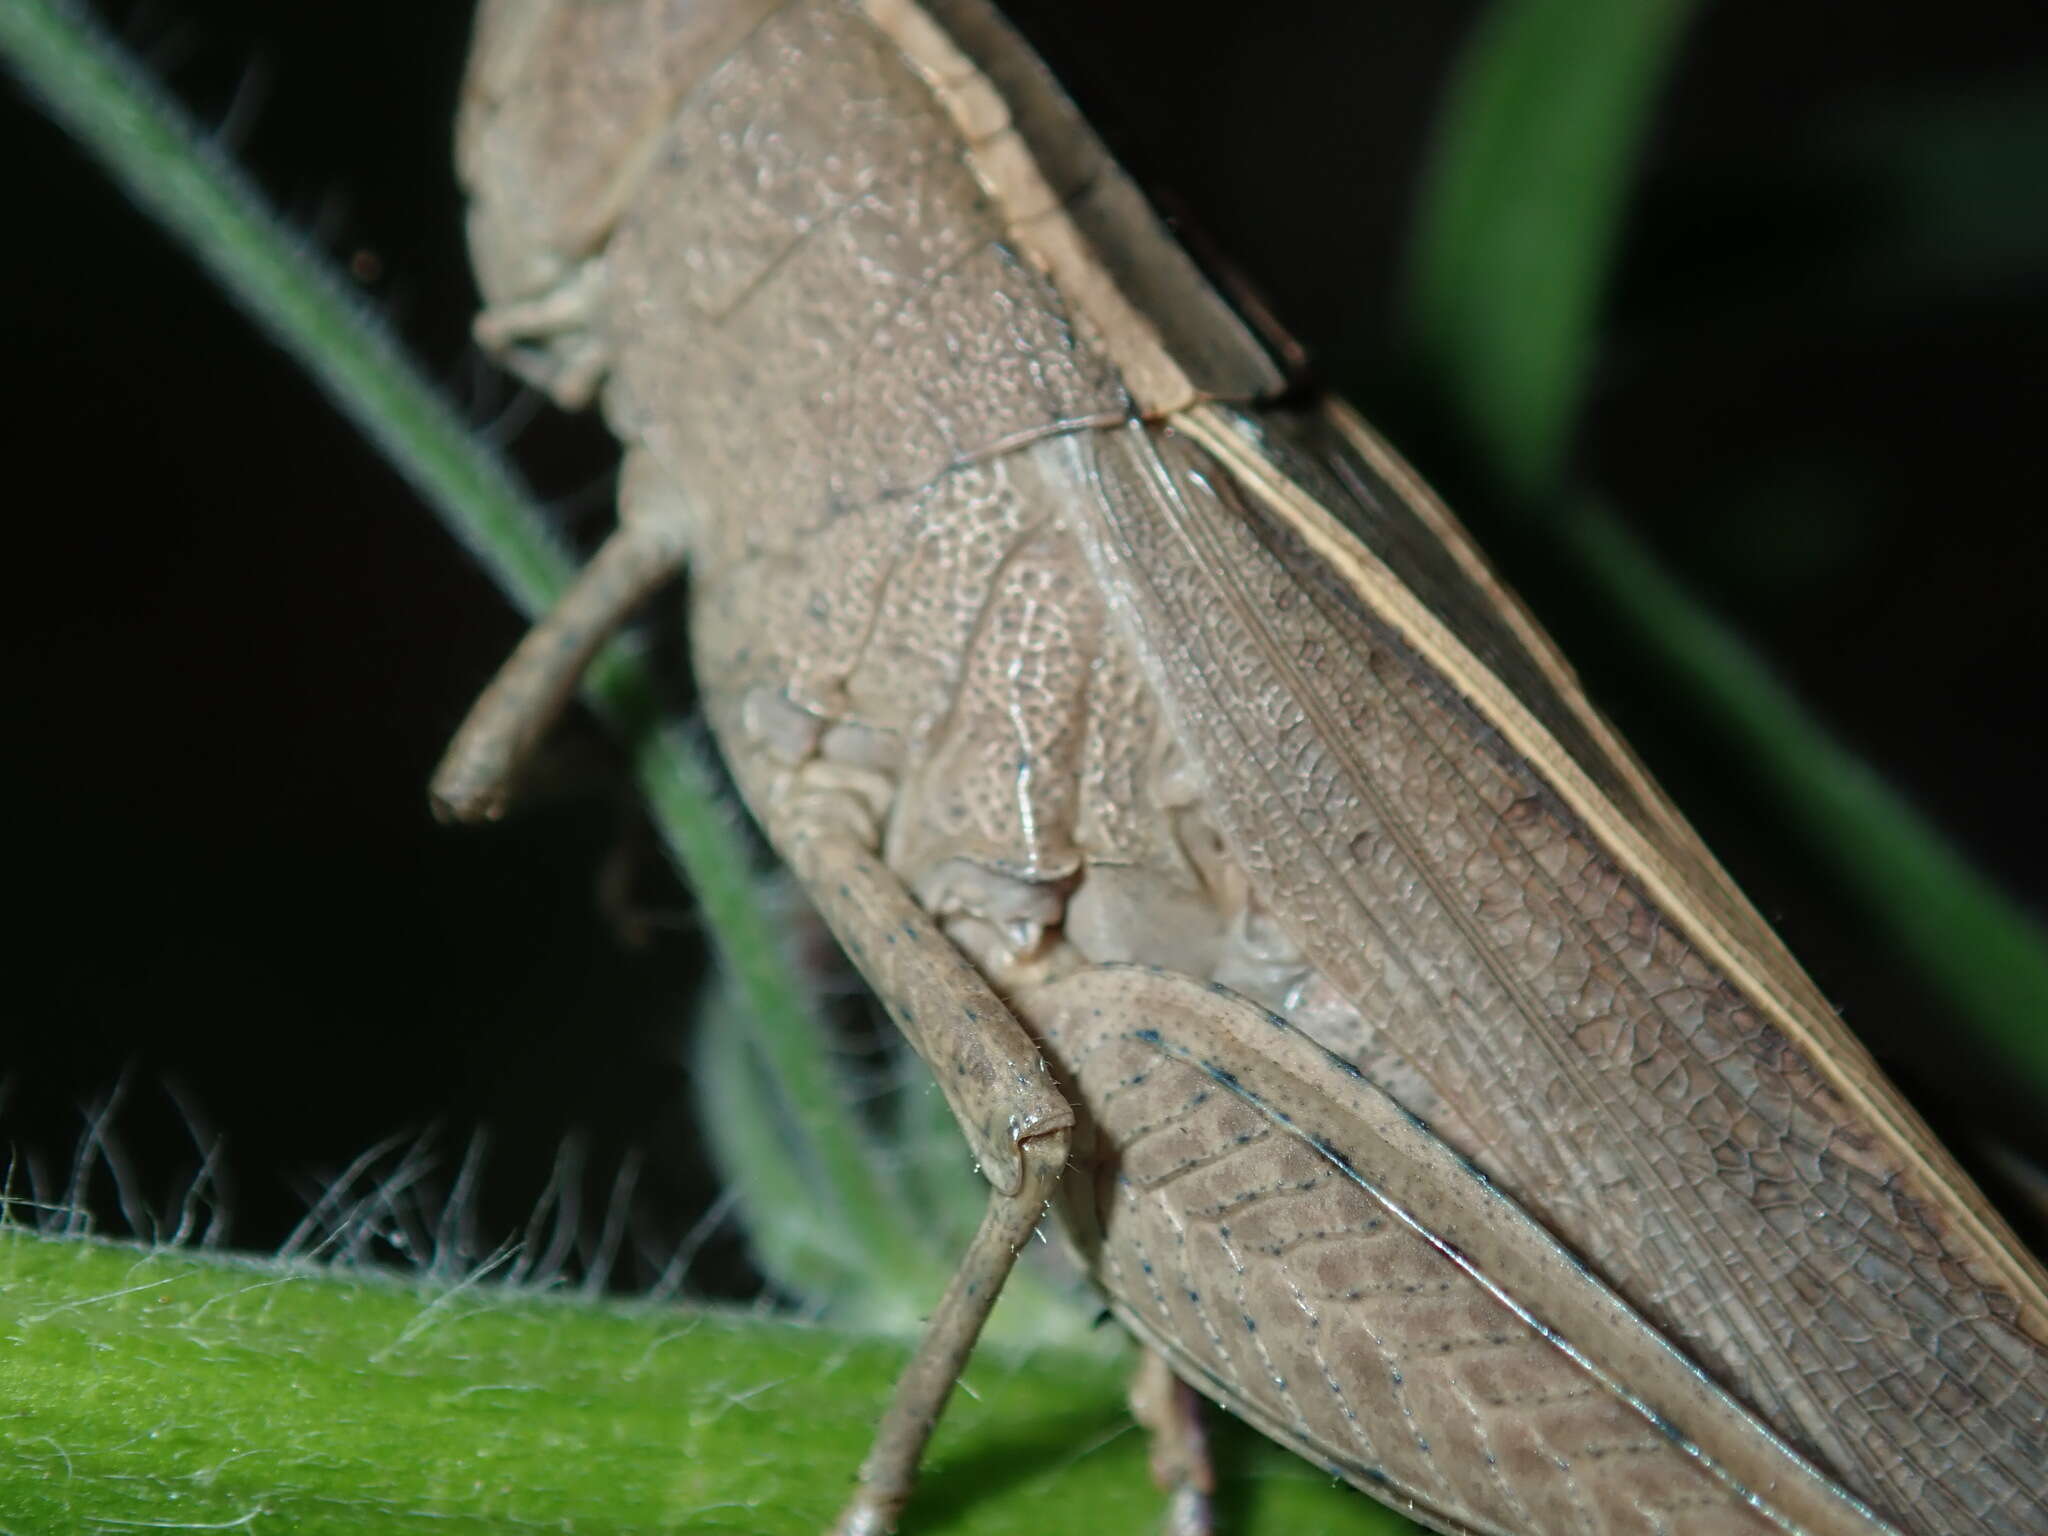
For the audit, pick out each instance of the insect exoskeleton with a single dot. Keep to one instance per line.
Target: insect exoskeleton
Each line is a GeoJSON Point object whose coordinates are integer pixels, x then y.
{"type": "Point", "coordinates": [563, 107]}
{"type": "Point", "coordinates": [1080, 679]}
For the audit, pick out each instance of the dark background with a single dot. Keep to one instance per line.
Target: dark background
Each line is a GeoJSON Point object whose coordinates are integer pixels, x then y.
{"type": "Point", "coordinates": [235, 642]}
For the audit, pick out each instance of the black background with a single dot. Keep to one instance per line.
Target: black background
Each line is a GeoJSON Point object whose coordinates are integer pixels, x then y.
{"type": "Point", "coordinates": [235, 642]}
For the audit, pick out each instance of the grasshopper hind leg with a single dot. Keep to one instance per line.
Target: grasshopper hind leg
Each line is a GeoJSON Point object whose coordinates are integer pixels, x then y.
{"type": "Point", "coordinates": [890, 1471]}
{"type": "Point", "coordinates": [1171, 1413]}
{"type": "Point", "coordinates": [994, 1078]}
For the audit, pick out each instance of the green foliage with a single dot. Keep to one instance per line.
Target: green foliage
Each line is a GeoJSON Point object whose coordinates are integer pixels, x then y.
{"type": "Point", "coordinates": [197, 1392]}
{"type": "Point", "coordinates": [1540, 127]}
{"type": "Point", "coordinates": [1535, 149]}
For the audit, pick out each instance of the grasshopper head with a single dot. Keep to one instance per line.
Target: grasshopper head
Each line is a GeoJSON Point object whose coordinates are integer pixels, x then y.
{"type": "Point", "coordinates": [563, 108]}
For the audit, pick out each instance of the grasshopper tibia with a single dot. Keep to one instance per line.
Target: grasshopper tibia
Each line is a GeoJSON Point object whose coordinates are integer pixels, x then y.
{"type": "Point", "coordinates": [475, 778]}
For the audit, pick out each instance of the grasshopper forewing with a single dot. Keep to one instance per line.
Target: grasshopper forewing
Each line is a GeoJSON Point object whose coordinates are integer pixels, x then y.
{"type": "Point", "coordinates": [1211, 819]}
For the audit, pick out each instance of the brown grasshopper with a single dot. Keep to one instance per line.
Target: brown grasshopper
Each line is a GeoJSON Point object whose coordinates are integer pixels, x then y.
{"type": "Point", "coordinates": [1247, 865]}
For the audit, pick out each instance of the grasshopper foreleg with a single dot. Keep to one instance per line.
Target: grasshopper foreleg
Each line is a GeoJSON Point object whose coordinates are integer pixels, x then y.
{"type": "Point", "coordinates": [550, 341]}
{"type": "Point", "coordinates": [510, 716]}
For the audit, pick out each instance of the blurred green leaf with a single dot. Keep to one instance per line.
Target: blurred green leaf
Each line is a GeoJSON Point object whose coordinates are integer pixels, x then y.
{"type": "Point", "coordinates": [1987, 956]}
{"type": "Point", "coordinates": [1541, 126]}
{"type": "Point", "coordinates": [1540, 131]}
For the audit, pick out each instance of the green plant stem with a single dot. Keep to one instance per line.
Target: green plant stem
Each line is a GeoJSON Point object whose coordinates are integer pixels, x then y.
{"type": "Point", "coordinates": [198, 1392]}
{"type": "Point", "coordinates": [817, 1254]}
{"type": "Point", "coordinates": [171, 170]}
{"type": "Point", "coordinates": [683, 794]}
{"type": "Point", "coordinates": [157, 155]}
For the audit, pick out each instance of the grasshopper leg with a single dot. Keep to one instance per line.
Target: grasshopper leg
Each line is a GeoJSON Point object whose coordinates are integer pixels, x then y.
{"type": "Point", "coordinates": [550, 340]}
{"type": "Point", "coordinates": [890, 1471]}
{"type": "Point", "coordinates": [475, 778]}
{"type": "Point", "coordinates": [1015, 1119]}
{"type": "Point", "coordinates": [1171, 1413]}
{"type": "Point", "coordinates": [989, 1068]}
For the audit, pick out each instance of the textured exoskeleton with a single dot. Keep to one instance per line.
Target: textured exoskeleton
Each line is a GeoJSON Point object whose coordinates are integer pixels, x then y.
{"type": "Point", "coordinates": [1204, 811]}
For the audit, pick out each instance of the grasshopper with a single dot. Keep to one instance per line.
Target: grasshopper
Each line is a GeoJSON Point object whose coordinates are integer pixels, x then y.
{"type": "Point", "coordinates": [1251, 871]}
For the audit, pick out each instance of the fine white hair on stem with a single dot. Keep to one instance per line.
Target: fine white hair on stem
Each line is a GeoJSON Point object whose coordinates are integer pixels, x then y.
{"type": "Point", "coordinates": [500, 418]}
{"type": "Point", "coordinates": [393, 1206]}
{"type": "Point", "coordinates": [317, 1229]}
{"type": "Point", "coordinates": [208, 1184]}
{"type": "Point", "coordinates": [412, 1202]}
{"type": "Point", "coordinates": [555, 1215]}
{"type": "Point", "coordinates": [674, 1274]}
{"type": "Point", "coordinates": [162, 1205]}
{"type": "Point", "coordinates": [455, 1232]}
{"type": "Point", "coordinates": [604, 1251]}
{"type": "Point", "coordinates": [85, 1160]}
{"type": "Point", "coordinates": [252, 95]}
{"type": "Point", "coordinates": [129, 1194]}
